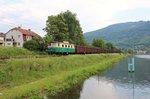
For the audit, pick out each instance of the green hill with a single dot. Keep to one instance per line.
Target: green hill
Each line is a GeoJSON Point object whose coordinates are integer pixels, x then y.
{"type": "Point", "coordinates": [124, 35]}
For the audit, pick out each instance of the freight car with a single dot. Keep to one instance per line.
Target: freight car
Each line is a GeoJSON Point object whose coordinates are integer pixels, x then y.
{"type": "Point", "coordinates": [67, 48]}
{"type": "Point", "coordinates": [88, 50]}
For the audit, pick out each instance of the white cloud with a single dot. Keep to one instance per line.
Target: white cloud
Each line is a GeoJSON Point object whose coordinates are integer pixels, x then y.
{"type": "Point", "coordinates": [93, 14]}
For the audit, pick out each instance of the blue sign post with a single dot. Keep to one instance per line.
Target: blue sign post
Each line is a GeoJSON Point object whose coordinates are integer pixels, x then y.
{"type": "Point", "coordinates": [131, 67]}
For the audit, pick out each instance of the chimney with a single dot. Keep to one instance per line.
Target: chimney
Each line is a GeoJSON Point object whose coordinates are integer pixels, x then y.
{"type": "Point", "coordinates": [29, 29]}
{"type": "Point", "coordinates": [19, 27]}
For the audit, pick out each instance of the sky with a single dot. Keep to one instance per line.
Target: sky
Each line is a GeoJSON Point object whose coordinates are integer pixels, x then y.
{"type": "Point", "coordinates": [92, 14]}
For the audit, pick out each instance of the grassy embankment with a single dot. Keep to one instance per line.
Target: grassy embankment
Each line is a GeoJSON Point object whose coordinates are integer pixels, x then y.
{"type": "Point", "coordinates": [8, 52]}
{"type": "Point", "coordinates": [37, 77]}
{"type": "Point", "coordinates": [13, 51]}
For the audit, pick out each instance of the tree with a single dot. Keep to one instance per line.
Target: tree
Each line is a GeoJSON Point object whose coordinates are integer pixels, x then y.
{"type": "Point", "coordinates": [99, 43]}
{"type": "Point", "coordinates": [110, 46]}
{"type": "Point", "coordinates": [130, 51]}
{"type": "Point", "coordinates": [47, 39]}
{"type": "Point", "coordinates": [65, 27]}
{"type": "Point", "coordinates": [74, 29]}
{"type": "Point", "coordinates": [57, 27]}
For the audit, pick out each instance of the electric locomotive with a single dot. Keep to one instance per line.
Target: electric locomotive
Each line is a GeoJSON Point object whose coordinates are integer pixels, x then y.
{"type": "Point", "coordinates": [61, 48]}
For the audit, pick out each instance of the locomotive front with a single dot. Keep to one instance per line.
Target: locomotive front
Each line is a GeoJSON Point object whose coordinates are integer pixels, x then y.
{"type": "Point", "coordinates": [61, 48]}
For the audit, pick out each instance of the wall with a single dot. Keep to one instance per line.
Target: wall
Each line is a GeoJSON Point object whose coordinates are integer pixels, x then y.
{"type": "Point", "coordinates": [1, 41]}
{"type": "Point", "coordinates": [17, 36]}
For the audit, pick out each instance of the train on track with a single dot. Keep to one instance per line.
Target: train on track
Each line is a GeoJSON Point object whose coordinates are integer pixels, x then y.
{"type": "Point", "coordinates": [67, 48]}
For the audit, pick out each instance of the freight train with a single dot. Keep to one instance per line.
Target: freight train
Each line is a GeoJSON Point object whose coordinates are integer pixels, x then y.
{"type": "Point", "coordinates": [67, 48]}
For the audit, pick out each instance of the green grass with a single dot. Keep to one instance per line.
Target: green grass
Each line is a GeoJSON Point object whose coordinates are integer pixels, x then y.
{"type": "Point", "coordinates": [13, 51]}
{"type": "Point", "coordinates": [41, 76]}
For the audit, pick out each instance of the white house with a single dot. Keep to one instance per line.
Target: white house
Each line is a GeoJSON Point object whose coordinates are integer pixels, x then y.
{"type": "Point", "coordinates": [2, 37]}
{"type": "Point", "coordinates": [18, 36]}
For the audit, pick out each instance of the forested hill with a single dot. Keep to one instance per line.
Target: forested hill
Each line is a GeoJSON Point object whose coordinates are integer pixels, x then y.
{"type": "Point", "coordinates": [124, 35]}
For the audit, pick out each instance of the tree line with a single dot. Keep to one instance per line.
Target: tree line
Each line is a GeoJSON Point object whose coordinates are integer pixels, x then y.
{"type": "Point", "coordinates": [102, 44]}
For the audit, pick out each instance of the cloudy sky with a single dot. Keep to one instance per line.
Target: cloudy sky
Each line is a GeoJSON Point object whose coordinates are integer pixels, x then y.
{"type": "Point", "coordinates": [92, 14]}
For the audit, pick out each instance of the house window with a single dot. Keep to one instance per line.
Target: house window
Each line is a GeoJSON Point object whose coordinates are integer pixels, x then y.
{"type": "Point", "coordinates": [8, 39]}
{"type": "Point", "coordinates": [65, 45]}
{"type": "Point", "coordinates": [19, 36]}
{"type": "Point", "coordinates": [8, 43]}
{"type": "Point", "coordinates": [18, 44]}
{"type": "Point", "coordinates": [62, 45]}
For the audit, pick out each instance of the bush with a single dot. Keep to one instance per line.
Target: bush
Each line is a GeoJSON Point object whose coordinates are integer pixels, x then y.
{"type": "Point", "coordinates": [31, 45]}
{"type": "Point", "coordinates": [36, 44]}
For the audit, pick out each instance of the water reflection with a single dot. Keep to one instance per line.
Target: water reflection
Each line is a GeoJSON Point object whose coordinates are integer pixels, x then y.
{"type": "Point", "coordinates": [117, 83]}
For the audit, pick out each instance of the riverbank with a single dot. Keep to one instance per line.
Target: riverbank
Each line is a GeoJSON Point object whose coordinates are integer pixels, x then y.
{"type": "Point", "coordinates": [38, 77]}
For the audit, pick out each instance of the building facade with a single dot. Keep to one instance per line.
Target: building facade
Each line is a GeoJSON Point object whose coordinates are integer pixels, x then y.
{"type": "Point", "coordinates": [2, 37]}
{"type": "Point", "coordinates": [18, 36]}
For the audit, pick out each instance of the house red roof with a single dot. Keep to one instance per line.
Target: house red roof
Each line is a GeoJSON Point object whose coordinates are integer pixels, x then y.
{"type": "Point", "coordinates": [25, 31]}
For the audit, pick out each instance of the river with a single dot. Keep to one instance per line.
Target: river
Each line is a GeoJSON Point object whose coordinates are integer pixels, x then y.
{"type": "Point", "coordinates": [116, 82]}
